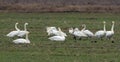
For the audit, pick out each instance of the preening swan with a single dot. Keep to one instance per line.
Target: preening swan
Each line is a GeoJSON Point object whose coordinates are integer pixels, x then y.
{"type": "Point", "coordinates": [21, 40]}
{"type": "Point", "coordinates": [57, 38]}
{"type": "Point", "coordinates": [109, 34]}
{"type": "Point", "coordinates": [101, 33]}
{"type": "Point", "coordinates": [14, 33]}
{"type": "Point", "coordinates": [87, 32]}
{"type": "Point", "coordinates": [23, 32]}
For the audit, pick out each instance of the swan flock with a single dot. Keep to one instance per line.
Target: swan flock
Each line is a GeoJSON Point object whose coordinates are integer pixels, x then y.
{"type": "Point", "coordinates": [56, 34]}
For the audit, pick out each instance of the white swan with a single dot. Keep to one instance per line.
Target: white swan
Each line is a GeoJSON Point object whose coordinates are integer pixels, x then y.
{"type": "Point", "coordinates": [14, 33]}
{"type": "Point", "coordinates": [51, 30]}
{"type": "Point", "coordinates": [101, 33]}
{"type": "Point", "coordinates": [21, 40]}
{"type": "Point", "coordinates": [78, 33]}
{"type": "Point", "coordinates": [109, 34]}
{"type": "Point", "coordinates": [23, 32]}
{"type": "Point", "coordinates": [71, 30]}
{"type": "Point", "coordinates": [60, 32]}
{"type": "Point", "coordinates": [57, 38]}
{"type": "Point", "coordinates": [87, 32]}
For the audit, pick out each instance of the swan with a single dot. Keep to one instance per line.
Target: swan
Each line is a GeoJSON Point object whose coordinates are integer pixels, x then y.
{"type": "Point", "coordinates": [51, 30]}
{"type": "Point", "coordinates": [23, 32]}
{"type": "Point", "coordinates": [71, 30]}
{"type": "Point", "coordinates": [14, 33]}
{"type": "Point", "coordinates": [109, 34]}
{"type": "Point", "coordinates": [21, 40]}
{"type": "Point", "coordinates": [87, 32]}
{"type": "Point", "coordinates": [78, 33]}
{"type": "Point", "coordinates": [57, 38]}
{"type": "Point", "coordinates": [101, 33]}
{"type": "Point", "coordinates": [61, 32]}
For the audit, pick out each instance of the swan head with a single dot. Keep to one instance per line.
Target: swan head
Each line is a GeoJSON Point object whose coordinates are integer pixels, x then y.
{"type": "Point", "coordinates": [26, 23]}
{"type": "Point", "coordinates": [83, 25]}
{"type": "Point", "coordinates": [76, 29]}
{"type": "Point", "coordinates": [104, 22]}
{"type": "Point", "coordinates": [16, 23]}
{"type": "Point", "coordinates": [113, 22]}
{"type": "Point", "coordinates": [27, 32]}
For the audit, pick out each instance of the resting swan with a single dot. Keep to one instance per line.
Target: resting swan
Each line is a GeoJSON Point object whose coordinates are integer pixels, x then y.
{"type": "Point", "coordinates": [57, 38]}
{"type": "Point", "coordinates": [23, 32]}
{"type": "Point", "coordinates": [14, 33]}
{"type": "Point", "coordinates": [87, 32]}
{"type": "Point", "coordinates": [21, 40]}
{"type": "Point", "coordinates": [61, 32]}
{"type": "Point", "coordinates": [78, 33]}
{"type": "Point", "coordinates": [51, 31]}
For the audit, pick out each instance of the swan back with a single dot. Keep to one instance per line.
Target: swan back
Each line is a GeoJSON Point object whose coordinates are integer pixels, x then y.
{"type": "Point", "coordinates": [21, 40]}
{"type": "Point", "coordinates": [57, 38]}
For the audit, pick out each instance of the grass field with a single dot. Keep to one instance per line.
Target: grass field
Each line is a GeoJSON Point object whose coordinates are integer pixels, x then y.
{"type": "Point", "coordinates": [43, 50]}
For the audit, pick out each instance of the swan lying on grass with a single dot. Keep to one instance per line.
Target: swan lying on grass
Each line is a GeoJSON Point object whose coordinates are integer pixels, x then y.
{"type": "Point", "coordinates": [21, 40]}
{"type": "Point", "coordinates": [14, 33]}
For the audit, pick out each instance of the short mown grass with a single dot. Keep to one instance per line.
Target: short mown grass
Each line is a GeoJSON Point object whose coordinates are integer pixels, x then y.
{"type": "Point", "coordinates": [43, 50]}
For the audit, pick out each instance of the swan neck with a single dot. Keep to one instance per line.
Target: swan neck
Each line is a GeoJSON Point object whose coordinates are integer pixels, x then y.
{"type": "Point", "coordinates": [16, 27]}
{"type": "Point", "coordinates": [112, 28]}
{"type": "Point", "coordinates": [84, 28]}
{"type": "Point", "coordinates": [25, 27]}
{"type": "Point", "coordinates": [104, 27]}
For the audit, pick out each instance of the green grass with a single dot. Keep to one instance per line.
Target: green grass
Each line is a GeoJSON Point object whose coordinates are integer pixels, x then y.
{"type": "Point", "coordinates": [43, 50]}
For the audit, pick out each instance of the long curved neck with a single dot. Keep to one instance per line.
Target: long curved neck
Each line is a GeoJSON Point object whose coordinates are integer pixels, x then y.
{"type": "Point", "coordinates": [59, 29]}
{"type": "Point", "coordinates": [84, 27]}
{"type": "Point", "coordinates": [112, 28]}
{"type": "Point", "coordinates": [104, 27]}
{"type": "Point", "coordinates": [16, 27]}
{"type": "Point", "coordinates": [25, 27]}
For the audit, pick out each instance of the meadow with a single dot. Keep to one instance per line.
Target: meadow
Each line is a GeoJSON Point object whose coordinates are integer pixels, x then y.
{"type": "Point", "coordinates": [41, 49]}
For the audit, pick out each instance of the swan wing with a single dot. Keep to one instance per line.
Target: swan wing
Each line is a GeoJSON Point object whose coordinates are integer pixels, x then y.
{"type": "Point", "coordinates": [109, 33]}
{"type": "Point", "coordinates": [22, 33]}
{"type": "Point", "coordinates": [88, 32]}
{"type": "Point", "coordinates": [12, 33]}
{"type": "Point", "coordinates": [57, 38]}
{"type": "Point", "coordinates": [17, 41]}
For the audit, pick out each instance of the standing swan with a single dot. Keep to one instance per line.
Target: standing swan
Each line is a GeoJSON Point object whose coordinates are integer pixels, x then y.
{"type": "Point", "coordinates": [23, 32]}
{"type": "Point", "coordinates": [21, 40]}
{"type": "Point", "coordinates": [13, 33]}
{"type": "Point", "coordinates": [109, 34]}
{"type": "Point", "coordinates": [101, 33]}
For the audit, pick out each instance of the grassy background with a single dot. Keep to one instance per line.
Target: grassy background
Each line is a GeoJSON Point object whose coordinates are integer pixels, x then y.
{"type": "Point", "coordinates": [43, 50]}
